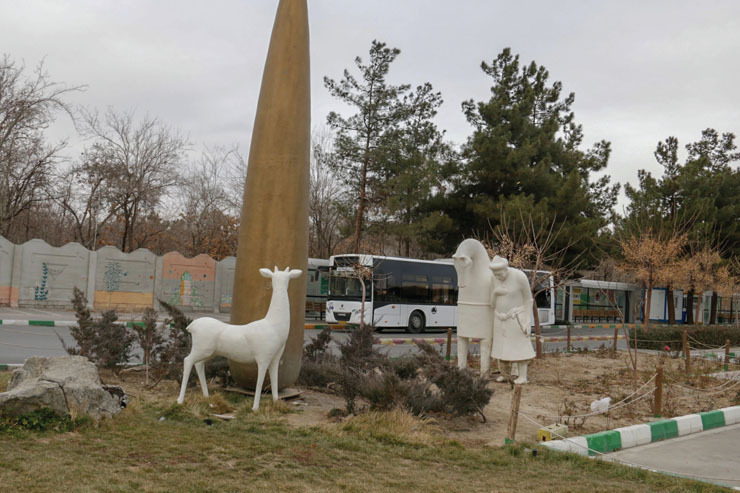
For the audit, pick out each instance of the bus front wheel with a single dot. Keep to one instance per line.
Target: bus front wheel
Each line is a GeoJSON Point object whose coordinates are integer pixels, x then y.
{"type": "Point", "coordinates": [416, 322]}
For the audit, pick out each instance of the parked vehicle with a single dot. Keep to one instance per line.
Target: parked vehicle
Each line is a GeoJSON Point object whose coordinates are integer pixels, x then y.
{"type": "Point", "coordinates": [402, 292]}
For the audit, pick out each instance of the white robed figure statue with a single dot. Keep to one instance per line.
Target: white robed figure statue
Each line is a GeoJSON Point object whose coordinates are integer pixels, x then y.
{"type": "Point", "coordinates": [511, 301]}
{"type": "Point", "coordinates": [474, 314]}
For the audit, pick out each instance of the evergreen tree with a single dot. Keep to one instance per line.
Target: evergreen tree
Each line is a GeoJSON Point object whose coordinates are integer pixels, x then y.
{"type": "Point", "coordinates": [525, 156]}
{"type": "Point", "coordinates": [412, 171]}
{"type": "Point", "coordinates": [702, 192]}
{"type": "Point", "coordinates": [361, 137]}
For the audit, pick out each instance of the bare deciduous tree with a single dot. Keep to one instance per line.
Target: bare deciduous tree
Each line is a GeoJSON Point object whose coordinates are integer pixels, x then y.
{"type": "Point", "coordinates": [532, 244]}
{"type": "Point", "coordinates": [207, 209]}
{"type": "Point", "coordinates": [650, 258]}
{"type": "Point", "coordinates": [325, 212]}
{"type": "Point", "coordinates": [142, 160]}
{"type": "Point", "coordinates": [703, 270]}
{"type": "Point", "coordinates": [83, 194]}
{"type": "Point", "coordinates": [27, 109]}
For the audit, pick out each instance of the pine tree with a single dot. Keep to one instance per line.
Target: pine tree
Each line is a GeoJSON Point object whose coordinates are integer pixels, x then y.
{"type": "Point", "coordinates": [525, 155]}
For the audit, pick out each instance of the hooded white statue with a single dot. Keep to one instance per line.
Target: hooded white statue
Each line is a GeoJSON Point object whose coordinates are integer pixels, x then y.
{"type": "Point", "coordinates": [474, 314]}
{"type": "Point", "coordinates": [511, 301]}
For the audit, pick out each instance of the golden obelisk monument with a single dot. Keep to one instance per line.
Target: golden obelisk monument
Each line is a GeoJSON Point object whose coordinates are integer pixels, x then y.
{"type": "Point", "coordinates": [274, 219]}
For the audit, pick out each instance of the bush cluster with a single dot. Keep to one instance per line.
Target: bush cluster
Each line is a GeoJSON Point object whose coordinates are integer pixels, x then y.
{"type": "Point", "coordinates": [658, 337]}
{"type": "Point", "coordinates": [103, 341]}
{"type": "Point", "coordinates": [164, 346]}
{"type": "Point", "coordinates": [420, 383]}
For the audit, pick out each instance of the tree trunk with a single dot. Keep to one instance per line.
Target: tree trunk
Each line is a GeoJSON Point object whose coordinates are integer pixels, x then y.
{"type": "Point", "coordinates": [363, 195]}
{"type": "Point", "coordinates": [698, 314]}
{"type": "Point", "coordinates": [537, 330]}
{"type": "Point", "coordinates": [362, 305]}
{"type": "Point", "coordinates": [646, 310]}
{"type": "Point", "coordinates": [713, 309]}
{"type": "Point", "coordinates": [690, 306]}
{"type": "Point", "coordinates": [671, 305]}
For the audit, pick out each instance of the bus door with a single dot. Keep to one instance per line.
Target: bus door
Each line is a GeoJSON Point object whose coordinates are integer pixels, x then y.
{"type": "Point", "coordinates": [386, 306]}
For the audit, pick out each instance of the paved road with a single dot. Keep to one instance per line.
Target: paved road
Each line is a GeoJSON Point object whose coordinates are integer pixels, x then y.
{"type": "Point", "coordinates": [18, 342]}
{"type": "Point", "coordinates": [712, 456]}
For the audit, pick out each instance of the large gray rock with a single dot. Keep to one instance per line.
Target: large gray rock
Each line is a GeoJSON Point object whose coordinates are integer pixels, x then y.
{"type": "Point", "coordinates": [66, 385]}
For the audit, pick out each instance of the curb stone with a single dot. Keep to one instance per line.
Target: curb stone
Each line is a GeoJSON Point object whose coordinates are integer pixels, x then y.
{"type": "Point", "coordinates": [604, 442]}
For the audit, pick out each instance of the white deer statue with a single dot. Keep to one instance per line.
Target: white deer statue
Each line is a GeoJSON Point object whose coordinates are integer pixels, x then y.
{"type": "Point", "coordinates": [261, 341]}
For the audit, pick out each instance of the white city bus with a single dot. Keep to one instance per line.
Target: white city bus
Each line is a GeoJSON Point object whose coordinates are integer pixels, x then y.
{"type": "Point", "coordinates": [415, 294]}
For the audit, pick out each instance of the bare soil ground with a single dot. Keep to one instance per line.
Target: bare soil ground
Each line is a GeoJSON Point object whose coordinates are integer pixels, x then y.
{"type": "Point", "coordinates": [565, 385]}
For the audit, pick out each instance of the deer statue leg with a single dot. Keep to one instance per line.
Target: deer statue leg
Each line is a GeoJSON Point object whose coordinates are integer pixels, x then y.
{"type": "Point", "coordinates": [274, 365]}
{"type": "Point", "coordinates": [200, 368]}
{"type": "Point", "coordinates": [261, 369]}
{"type": "Point", "coordinates": [187, 366]}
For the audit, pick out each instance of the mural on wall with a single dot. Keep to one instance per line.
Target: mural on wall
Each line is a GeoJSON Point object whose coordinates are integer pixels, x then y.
{"type": "Point", "coordinates": [112, 276]}
{"type": "Point", "coordinates": [48, 275]}
{"type": "Point", "coordinates": [225, 279]}
{"type": "Point", "coordinates": [124, 280]}
{"type": "Point", "coordinates": [188, 282]}
{"type": "Point", "coordinates": [41, 293]}
{"type": "Point", "coordinates": [186, 291]}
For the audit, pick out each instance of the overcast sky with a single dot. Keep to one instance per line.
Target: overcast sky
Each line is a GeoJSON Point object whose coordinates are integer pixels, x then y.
{"type": "Point", "coordinates": [641, 70]}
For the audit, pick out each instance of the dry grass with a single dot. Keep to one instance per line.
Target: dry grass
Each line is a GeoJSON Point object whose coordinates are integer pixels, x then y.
{"type": "Point", "coordinates": [392, 427]}
{"type": "Point", "coordinates": [137, 451]}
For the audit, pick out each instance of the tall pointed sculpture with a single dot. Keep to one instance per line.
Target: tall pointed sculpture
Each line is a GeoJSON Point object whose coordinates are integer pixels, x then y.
{"type": "Point", "coordinates": [274, 220]}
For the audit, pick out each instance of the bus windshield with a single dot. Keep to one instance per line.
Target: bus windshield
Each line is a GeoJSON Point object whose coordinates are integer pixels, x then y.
{"type": "Point", "coordinates": [345, 287]}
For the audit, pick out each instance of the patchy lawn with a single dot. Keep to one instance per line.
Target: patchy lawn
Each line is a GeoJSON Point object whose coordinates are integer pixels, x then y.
{"type": "Point", "coordinates": [293, 446]}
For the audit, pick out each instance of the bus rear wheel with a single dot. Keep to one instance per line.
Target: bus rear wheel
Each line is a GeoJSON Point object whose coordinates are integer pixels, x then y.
{"type": "Point", "coordinates": [417, 322]}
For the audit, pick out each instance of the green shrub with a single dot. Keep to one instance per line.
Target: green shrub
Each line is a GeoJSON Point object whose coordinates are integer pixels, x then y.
{"type": "Point", "coordinates": [658, 337]}
{"type": "Point", "coordinates": [103, 341]}
{"type": "Point", "coordinates": [462, 393]}
{"type": "Point", "coordinates": [316, 349]}
{"type": "Point", "coordinates": [43, 419]}
{"type": "Point", "coordinates": [420, 383]}
{"type": "Point", "coordinates": [177, 342]}
{"type": "Point", "coordinates": [83, 333]}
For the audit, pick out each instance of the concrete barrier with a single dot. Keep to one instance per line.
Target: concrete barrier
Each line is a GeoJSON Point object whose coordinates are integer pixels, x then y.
{"type": "Point", "coordinates": [636, 435]}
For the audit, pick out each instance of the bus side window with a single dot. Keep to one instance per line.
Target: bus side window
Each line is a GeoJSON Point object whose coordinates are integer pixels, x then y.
{"type": "Point", "coordinates": [442, 290]}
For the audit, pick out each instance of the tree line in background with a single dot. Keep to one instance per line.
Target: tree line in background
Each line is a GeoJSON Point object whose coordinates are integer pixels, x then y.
{"type": "Point", "coordinates": [384, 179]}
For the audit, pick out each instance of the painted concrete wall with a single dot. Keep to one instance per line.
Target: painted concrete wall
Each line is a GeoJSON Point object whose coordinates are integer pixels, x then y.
{"type": "Point", "coordinates": [225, 283]}
{"type": "Point", "coordinates": [189, 283]}
{"type": "Point", "coordinates": [48, 274]}
{"type": "Point", "coordinates": [124, 280]}
{"type": "Point", "coordinates": [8, 293]}
{"type": "Point", "coordinates": [37, 274]}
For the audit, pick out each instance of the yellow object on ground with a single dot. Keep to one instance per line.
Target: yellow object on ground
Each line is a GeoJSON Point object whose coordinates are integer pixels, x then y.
{"type": "Point", "coordinates": [552, 432]}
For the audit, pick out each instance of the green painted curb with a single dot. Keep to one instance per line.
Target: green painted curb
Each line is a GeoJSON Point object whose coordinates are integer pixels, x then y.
{"type": "Point", "coordinates": [131, 325]}
{"type": "Point", "coordinates": [712, 419]}
{"type": "Point", "coordinates": [663, 430]}
{"type": "Point", "coordinates": [604, 441]}
{"type": "Point", "coordinates": [41, 323]}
